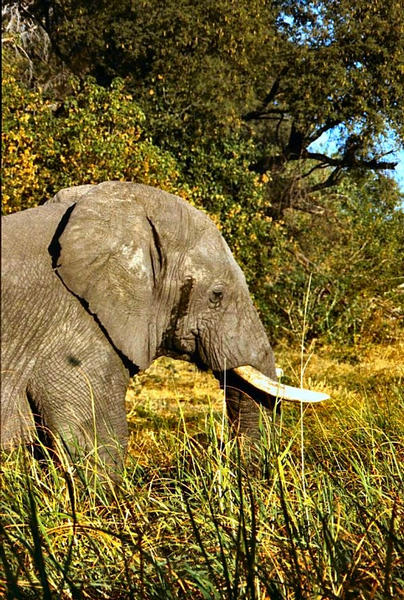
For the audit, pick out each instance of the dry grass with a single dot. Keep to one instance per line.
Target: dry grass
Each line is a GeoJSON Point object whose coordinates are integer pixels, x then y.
{"type": "Point", "coordinates": [191, 521]}
{"type": "Point", "coordinates": [173, 395]}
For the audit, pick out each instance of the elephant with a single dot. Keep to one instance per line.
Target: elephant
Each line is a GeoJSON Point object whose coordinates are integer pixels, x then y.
{"type": "Point", "coordinates": [97, 283]}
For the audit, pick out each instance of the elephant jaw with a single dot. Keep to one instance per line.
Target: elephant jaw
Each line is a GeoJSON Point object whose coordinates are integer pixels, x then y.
{"type": "Point", "coordinates": [278, 390]}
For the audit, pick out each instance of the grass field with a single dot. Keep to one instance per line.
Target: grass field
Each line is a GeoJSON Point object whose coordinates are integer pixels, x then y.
{"type": "Point", "coordinates": [318, 514]}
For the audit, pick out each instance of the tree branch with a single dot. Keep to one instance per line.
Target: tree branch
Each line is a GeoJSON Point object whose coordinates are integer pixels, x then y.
{"type": "Point", "coordinates": [329, 124]}
{"type": "Point", "coordinates": [348, 160]}
{"type": "Point", "coordinates": [310, 171]}
{"type": "Point", "coordinates": [295, 148]}
{"type": "Point", "coordinates": [261, 112]}
{"type": "Point", "coordinates": [331, 180]}
{"type": "Point", "coordinates": [257, 115]}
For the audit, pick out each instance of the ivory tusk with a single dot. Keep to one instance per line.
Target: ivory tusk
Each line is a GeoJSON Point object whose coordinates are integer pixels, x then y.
{"type": "Point", "coordinates": [276, 389]}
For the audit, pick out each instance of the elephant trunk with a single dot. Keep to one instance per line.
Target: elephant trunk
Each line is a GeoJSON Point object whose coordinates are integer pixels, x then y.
{"type": "Point", "coordinates": [250, 389]}
{"type": "Point", "coordinates": [247, 390]}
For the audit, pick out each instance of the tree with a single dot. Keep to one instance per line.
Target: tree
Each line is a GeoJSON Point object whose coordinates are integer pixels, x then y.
{"type": "Point", "coordinates": [348, 266]}
{"type": "Point", "coordinates": [343, 74]}
{"type": "Point", "coordinates": [280, 72]}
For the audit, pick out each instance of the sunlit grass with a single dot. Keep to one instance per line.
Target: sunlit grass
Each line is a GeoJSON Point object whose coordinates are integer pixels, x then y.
{"type": "Point", "coordinates": [194, 519]}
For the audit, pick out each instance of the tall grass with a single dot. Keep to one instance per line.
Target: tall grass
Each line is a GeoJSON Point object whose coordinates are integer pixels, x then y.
{"type": "Point", "coordinates": [196, 518]}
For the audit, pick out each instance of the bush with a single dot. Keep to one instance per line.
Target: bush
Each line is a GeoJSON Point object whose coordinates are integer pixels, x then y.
{"type": "Point", "coordinates": [346, 261]}
{"type": "Point", "coordinates": [94, 135]}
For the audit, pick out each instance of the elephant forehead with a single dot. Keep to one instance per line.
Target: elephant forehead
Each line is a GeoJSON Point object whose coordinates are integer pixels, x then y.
{"type": "Point", "coordinates": [211, 254]}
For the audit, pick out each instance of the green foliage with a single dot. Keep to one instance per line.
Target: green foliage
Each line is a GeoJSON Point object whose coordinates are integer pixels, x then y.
{"type": "Point", "coordinates": [173, 56]}
{"type": "Point", "coordinates": [94, 135]}
{"type": "Point", "coordinates": [347, 261]}
{"type": "Point", "coordinates": [282, 72]}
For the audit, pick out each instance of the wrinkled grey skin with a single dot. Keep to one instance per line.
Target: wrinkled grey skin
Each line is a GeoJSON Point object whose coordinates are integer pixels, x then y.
{"type": "Point", "coordinates": [99, 282]}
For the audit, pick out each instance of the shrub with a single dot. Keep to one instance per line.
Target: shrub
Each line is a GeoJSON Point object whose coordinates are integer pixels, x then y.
{"type": "Point", "coordinates": [93, 135]}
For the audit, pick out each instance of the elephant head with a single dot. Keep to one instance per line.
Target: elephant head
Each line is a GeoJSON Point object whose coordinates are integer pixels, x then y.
{"type": "Point", "coordinates": [160, 280]}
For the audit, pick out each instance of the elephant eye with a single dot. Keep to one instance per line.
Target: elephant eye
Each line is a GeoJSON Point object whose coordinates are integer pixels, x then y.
{"type": "Point", "coordinates": [216, 296]}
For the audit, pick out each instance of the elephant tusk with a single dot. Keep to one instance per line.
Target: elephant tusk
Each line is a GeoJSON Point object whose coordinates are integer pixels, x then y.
{"type": "Point", "coordinates": [279, 390]}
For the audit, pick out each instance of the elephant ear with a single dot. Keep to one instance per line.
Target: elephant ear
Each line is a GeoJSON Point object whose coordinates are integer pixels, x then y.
{"type": "Point", "coordinates": [70, 195]}
{"type": "Point", "coordinates": [109, 257]}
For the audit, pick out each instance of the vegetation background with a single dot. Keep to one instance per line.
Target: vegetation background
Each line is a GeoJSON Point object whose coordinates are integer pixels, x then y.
{"type": "Point", "coordinates": [224, 103]}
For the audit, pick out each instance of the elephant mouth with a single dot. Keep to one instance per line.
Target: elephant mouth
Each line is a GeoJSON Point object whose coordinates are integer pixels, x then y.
{"type": "Point", "coordinates": [251, 381]}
